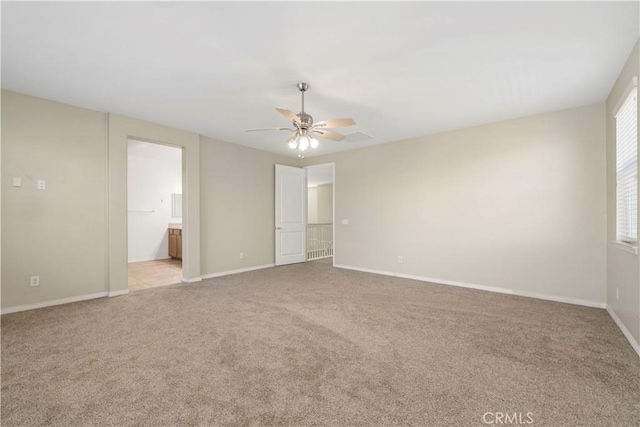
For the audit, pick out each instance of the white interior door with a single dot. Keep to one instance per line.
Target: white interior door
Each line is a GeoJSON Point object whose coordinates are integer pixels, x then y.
{"type": "Point", "coordinates": [291, 216]}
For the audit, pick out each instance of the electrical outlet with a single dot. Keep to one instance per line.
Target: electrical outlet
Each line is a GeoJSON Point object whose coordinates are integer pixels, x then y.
{"type": "Point", "coordinates": [400, 260]}
{"type": "Point", "coordinates": [617, 293]}
{"type": "Point", "coordinates": [42, 185]}
{"type": "Point", "coordinates": [35, 281]}
{"type": "Point", "coordinates": [241, 255]}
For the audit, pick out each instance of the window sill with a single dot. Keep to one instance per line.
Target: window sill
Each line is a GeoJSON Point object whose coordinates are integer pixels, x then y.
{"type": "Point", "coordinates": [626, 247]}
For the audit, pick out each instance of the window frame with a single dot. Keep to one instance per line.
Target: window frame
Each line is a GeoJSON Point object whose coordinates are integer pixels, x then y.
{"type": "Point", "coordinates": [630, 246]}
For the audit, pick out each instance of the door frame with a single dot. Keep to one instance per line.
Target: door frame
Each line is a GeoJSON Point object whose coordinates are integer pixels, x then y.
{"type": "Point", "coordinates": [333, 202]}
{"type": "Point", "coordinates": [120, 130]}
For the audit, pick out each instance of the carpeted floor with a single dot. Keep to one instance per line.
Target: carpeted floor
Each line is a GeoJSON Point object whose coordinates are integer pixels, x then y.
{"type": "Point", "coordinates": [308, 344]}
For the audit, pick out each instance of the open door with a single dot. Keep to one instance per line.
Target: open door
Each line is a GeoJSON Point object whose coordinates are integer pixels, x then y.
{"type": "Point", "coordinates": [291, 218]}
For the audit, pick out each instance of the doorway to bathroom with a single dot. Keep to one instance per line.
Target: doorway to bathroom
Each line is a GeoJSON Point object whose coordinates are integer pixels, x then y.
{"type": "Point", "coordinates": [154, 204]}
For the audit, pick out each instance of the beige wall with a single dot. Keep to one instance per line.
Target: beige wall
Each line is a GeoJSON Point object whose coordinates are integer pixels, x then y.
{"type": "Point", "coordinates": [517, 205]}
{"type": "Point", "coordinates": [237, 202]}
{"type": "Point", "coordinates": [312, 205]}
{"type": "Point", "coordinates": [324, 194]}
{"type": "Point", "coordinates": [623, 270]}
{"type": "Point", "coordinates": [59, 233]}
{"type": "Point", "coordinates": [73, 234]}
{"type": "Point", "coordinates": [320, 204]}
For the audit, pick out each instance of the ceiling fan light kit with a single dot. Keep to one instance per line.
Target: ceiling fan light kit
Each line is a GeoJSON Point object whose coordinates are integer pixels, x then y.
{"type": "Point", "coordinates": [305, 130]}
{"type": "Point", "coordinates": [302, 140]}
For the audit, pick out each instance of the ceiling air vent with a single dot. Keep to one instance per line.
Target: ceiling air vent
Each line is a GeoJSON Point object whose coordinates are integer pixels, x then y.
{"type": "Point", "coordinates": [358, 137]}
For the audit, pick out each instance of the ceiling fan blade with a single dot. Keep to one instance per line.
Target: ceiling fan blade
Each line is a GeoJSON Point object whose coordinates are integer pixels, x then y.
{"type": "Point", "coordinates": [289, 115]}
{"type": "Point", "coordinates": [328, 134]}
{"type": "Point", "coordinates": [256, 130]}
{"type": "Point", "coordinates": [334, 123]}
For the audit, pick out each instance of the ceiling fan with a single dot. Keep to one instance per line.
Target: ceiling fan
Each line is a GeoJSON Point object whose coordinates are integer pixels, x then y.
{"type": "Point", "coordinates": [305, 129]}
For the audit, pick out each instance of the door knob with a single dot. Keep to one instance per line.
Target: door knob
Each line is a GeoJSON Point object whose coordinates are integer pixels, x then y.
{"type": "Point", "coordinates": [278, 228]}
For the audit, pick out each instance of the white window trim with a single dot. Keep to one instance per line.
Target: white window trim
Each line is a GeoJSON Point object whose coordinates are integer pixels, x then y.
{"type": "Point", "coordinates": [627, 247]}
{"type": "Point", "coordinates": [633, 84]}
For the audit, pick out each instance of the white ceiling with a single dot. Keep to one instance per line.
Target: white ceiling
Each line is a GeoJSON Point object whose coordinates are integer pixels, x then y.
{"type": "Point", "coordinates": [400, 69]}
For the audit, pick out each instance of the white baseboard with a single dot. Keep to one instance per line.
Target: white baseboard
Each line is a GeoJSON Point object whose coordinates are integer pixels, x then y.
{"type": "Point", "coordinates": [50, 303]}
{"type": "Point", "coordinates": [116, 293]}
{"type": "Point", "coordinates": [624, 330]}
{"type": "Point", "coordinates": [567, 300]}
{"type": "Point", "coordinates": [192, 280]}
{"type": "Point", "coordinates": [240, 270]}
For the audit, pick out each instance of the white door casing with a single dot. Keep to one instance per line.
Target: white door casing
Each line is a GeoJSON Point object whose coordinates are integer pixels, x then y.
{"type": "Point", "coordinates": [291, 216]}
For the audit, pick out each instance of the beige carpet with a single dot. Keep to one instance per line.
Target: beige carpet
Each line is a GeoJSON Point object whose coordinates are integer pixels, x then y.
{"type": "Point", "coordinates": [311, 345]}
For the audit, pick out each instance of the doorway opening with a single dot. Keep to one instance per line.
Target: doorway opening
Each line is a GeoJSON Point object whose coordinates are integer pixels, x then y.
{"type": "Point", "coordinates": [154, 204]}
{"type": "Point", "coordinates": [320, 218]}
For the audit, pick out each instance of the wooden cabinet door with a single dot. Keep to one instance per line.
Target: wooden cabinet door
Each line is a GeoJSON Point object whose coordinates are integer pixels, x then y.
{"type": "Point", "coordinates": [173, 244]}
{"type": "Point", "coordinates": [179, 244]}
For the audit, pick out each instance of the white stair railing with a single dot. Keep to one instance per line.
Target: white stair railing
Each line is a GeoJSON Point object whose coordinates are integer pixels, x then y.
{"type": "Point", "coordinates": [319, 241]}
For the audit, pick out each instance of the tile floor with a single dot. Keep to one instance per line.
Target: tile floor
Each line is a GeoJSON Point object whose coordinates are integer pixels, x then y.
{"type": "Point", "coordinates": [151, 274]}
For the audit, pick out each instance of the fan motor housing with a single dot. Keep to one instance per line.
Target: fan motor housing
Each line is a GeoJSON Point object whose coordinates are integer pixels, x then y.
{"type": "Point", "coordinates": [306, 120]}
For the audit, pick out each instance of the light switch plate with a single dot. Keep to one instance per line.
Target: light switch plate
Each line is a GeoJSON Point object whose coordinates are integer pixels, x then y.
{"type": "Point", "coordinates": [17, 181]}
{"type": "Point", "coordinates": [42, 185]}
{"type": "Point", "coordinates": [345, 222]}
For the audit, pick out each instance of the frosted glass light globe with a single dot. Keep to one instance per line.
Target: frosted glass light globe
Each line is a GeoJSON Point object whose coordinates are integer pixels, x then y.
{"type": "Point", "coordinates": [303, 142]}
